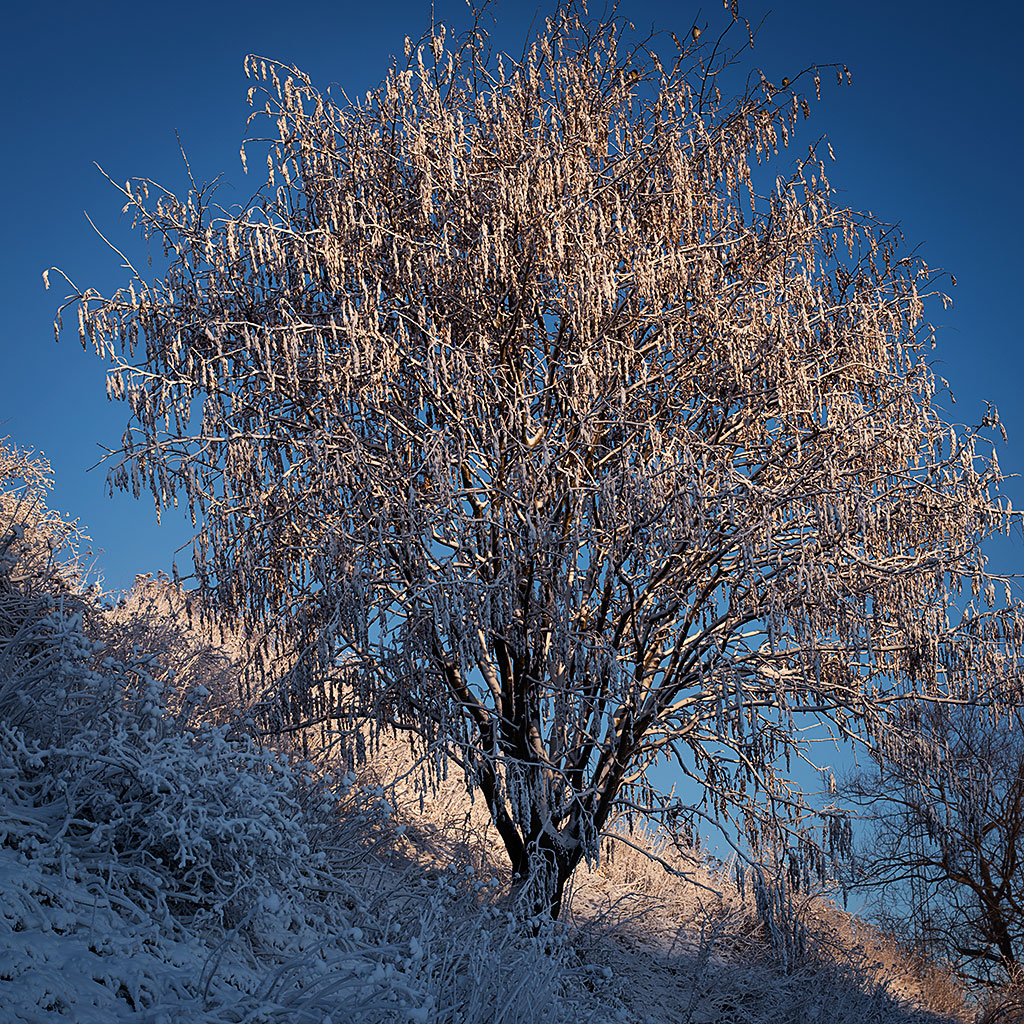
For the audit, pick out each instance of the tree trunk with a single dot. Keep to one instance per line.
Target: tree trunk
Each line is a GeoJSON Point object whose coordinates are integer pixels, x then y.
{"type": "Point", "coordinates": [544, 869]}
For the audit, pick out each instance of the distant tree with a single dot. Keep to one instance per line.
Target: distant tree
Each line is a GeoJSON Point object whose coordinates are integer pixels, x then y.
{"type": "Point", "coordinates": [520, 388]}
{"type": "Point", "coordinates": [44, 545]}
{"type": "Point", "coordinates": [199, 666]}
{"type": "Point", "coordinates": [944, 844]}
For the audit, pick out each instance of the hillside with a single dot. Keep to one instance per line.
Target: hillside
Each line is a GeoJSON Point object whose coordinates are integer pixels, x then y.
{"type": "Point", "coordinates": [160, 863]}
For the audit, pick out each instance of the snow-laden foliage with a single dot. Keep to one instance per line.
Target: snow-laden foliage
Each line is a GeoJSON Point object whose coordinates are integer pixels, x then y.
{"type": "Point", "coordinates": [180, 875]}
{"type": "Point", "coordinates": [159, 869]}
{"type": "Point", "coordinates": [166, 868]}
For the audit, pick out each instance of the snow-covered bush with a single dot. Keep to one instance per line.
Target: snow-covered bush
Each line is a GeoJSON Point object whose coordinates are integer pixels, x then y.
{"type": "Point", "coordinates": [198, 665]}
{"type": "Point", "coordinates": [159, 866]}
{"type": "Point", "coordinates": [43, 651]}
{"type": "Point", "coordinates": [166, 867]}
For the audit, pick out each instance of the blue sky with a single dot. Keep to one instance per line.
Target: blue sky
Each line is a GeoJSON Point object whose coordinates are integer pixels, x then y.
{"type": "Point", "coordinates": [930, 136]}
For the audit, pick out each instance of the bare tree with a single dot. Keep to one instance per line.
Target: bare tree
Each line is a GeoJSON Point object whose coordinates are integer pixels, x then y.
{"type": "Point", "coordinates": [40, 541]}
{"type": "Point", "coordinates": [520, 387]}
{"type": "Point", "coordinates": [199, 667]}
{"type": "Point", "coordinates": [945, 845]}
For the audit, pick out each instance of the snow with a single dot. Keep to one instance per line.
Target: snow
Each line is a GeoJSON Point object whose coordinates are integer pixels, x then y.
{"type": "Point", "coordinates": [165, 868]}
{"type": "Point", "coordinates": [164, 872]}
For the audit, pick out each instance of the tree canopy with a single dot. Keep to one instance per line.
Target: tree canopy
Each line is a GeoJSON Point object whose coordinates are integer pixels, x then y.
{"type": "Point", "coordinates": [532, 398]}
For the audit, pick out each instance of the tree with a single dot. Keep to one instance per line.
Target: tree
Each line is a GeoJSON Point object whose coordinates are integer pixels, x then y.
{"type": "Point", "coordinates": [43, 545]}
{"type": "Point", "coordinates": [520, 388]}
{"type": "Point", "coordinates": [946, 836]}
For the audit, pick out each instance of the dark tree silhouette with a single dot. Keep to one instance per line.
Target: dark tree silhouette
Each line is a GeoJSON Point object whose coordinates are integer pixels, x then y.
{"type": "Point", "coordinates": [945, 849]}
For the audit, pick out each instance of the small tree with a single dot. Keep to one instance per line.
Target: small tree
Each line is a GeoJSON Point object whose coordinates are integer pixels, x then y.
{"type": "Point", "coordinates": [44, 545]}
{"type": "Point", "coordinates": [945, 845]}
{"type": "Point", "coordinates": [515, 389]}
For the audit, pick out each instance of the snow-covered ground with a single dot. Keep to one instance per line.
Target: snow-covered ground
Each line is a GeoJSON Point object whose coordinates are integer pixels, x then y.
{"type": "Point", "coordinates": [159, 864]}
{"type": "Point", "coordinates": [156, 865]}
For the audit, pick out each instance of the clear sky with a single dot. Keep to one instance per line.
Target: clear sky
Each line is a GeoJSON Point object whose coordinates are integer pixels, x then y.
{"type": "Point", "coordinates": [930, 136]}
